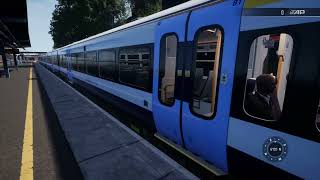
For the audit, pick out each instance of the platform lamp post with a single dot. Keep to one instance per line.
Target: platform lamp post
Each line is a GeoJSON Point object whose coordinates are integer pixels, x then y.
{"type": "Point", "coordinates": [4, 59]}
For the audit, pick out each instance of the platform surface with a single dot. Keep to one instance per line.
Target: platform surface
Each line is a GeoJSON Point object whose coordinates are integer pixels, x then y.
{"type": "Point", "coordinates": [103, 147]}
{"type": "Point", "coordinates": [52, 157]}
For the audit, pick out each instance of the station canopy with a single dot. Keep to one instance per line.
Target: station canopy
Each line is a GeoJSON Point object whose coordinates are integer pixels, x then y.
{"type": "Point", "coordinates": [14, 24]}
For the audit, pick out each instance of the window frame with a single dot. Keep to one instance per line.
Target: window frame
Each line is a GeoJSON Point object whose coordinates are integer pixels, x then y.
{"type": "Point", "coordinates": [150, 68]}
{"type": "Point", "coordinates": [193, 70]}
{"type": "Point", "coordinates": [162, 55]}
{"type": "Point", "coordinates": [291, 69]}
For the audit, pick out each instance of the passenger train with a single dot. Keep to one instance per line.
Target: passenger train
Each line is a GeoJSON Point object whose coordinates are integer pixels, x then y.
{"type": "Point", "coordinates": [234, 83]}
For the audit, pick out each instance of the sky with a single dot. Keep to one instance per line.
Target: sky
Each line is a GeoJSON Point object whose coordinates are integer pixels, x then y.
{"type": "Point", "coordinates": [39, 16]}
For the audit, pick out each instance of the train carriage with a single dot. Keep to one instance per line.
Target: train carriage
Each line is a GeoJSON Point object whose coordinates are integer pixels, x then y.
{"type": "Point", "coordinates": [232, 83]}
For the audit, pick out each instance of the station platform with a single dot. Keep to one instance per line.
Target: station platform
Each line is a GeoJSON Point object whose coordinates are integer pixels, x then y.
{"type": "Point", "coordinates": [103, 147]}
{"type": "Point", "coordinates": [52, 157]}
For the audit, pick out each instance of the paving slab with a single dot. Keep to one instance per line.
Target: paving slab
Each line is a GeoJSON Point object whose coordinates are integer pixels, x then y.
{"type": "Point", "coordinates": [103, 147]}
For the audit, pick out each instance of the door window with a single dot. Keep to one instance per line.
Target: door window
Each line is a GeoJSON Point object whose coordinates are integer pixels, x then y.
{"type": "Point", "coordinates": [167, 69]}
{"type": "Point", "coordinates": [267, 75]}
{"type": "Point", "coordinates": [205, 80]}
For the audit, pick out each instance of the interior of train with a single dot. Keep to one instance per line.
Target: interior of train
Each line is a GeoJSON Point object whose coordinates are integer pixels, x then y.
{"type": "Point", "coordinates": [268, 69]}
{"type": "Point", "coordinates": [206, 74]}
{"type": "Point", "coordinates": [206, 71]}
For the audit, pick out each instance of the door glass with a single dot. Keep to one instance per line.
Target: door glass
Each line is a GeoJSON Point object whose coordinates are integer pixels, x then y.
{"type": "Point", "coordinates": [167, 69]}
{"type": "Point", "coordinates": [268, 69]}
{"type": "Point", "coordinates": [208, 47]}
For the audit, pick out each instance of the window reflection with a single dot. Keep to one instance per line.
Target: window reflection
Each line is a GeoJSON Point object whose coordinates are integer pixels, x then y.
{"type": "Point", "coordinates": [134, 66]}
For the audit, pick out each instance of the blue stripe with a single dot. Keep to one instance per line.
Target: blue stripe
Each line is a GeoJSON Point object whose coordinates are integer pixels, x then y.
{"type": "Point", "coordinates": [132, 95]}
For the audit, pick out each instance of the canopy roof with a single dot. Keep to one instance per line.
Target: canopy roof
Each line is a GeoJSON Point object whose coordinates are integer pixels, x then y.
{"type": "Point", "coordinates": [14, 24]}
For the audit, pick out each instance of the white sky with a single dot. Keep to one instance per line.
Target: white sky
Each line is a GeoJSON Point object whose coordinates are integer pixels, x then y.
{"type": "Point", "coordinates": [39, 16]}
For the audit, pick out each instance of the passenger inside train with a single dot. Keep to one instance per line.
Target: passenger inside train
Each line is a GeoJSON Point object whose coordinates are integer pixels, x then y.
{"type": "Point", "coordinates": [263, 102]}
{"type": "Point", "coordinates": [267, 76]}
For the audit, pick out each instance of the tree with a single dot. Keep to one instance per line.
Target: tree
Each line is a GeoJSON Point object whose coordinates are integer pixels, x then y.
{"type": "Point", "coordinates": [74, 20]}
{"type": "Point", "coordinates": [169, 3]}
{"type": "Point", "coordinates": [142, 8]}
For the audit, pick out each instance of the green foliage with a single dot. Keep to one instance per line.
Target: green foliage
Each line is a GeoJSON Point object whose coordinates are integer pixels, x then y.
{"type": "Point", "coordinates": [74, 20]}
{"type": "Point", "coordinates": [170, 3]}
{"type": "Point", "coordinates": [141, 8]}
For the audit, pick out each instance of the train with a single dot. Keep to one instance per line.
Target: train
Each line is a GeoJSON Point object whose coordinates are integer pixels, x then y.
{"type": "Point", "coordinates": [232, 83]}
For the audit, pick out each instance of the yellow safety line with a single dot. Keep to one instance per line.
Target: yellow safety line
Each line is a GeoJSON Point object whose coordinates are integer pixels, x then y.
{"type": "Point", "coordinates": [26, 172]}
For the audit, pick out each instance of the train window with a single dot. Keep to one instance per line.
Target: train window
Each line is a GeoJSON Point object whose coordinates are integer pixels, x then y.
{"type": "Point", "coordinates": [268, 69]}
{"type": "Point", "coordinates": [167, 69]}
{"type": "Point", "coordinates": [107, 64]}
{"type": "Point", "coordinates": [91, 63]}
{"type": "Point", "coordinates": [63, 61]}
{"type": "Point", "coordinates": [207, 62]}
{"type": "Point", "coordinates": [81, 62]}
{"type": "Point", "coordinates": [53, 60]}
{"type": "Point", "coordinates": [59, 60]}
{"type": "Point", "coordinates": [74, 62]}
{"type": "Point", "coordinates": [134, 66]}
{"type": "Point", "coordinates": [60, 57]}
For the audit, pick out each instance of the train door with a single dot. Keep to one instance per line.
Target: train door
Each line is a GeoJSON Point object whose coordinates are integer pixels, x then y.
{"type": "Point", "coordinates": [192, 96]}
{"type": "Point", "coordinates": [166, 101]}
{"type": "Point", "coordinates": [214, 32]}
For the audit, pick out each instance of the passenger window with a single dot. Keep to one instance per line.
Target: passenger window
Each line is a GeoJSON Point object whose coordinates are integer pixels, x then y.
{"type": "Point", "coordinates": [167, 69]}
{"type": "Point", "coordinates": [207, 62]}
{"type": "Point", "coordinates": [81, 62]}
{"type": "Point", "coordinates": [107, 64]}
{"type": "Point", "coordinates": [74, 62]}
{"type": "Point", "coordinates": [91, 63]}
{"type": "Point", "coordinates": [134, 67]}
{"type": "Point", "coordinates": [267, 75]}
{"type": "Point", "coordinates": [63, 61]}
